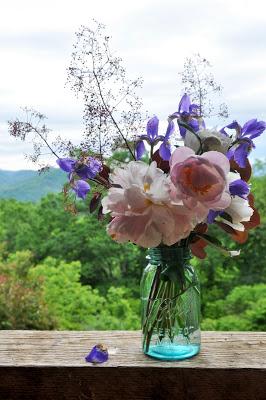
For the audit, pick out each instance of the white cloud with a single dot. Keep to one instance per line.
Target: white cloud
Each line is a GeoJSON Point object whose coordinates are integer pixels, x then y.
{"type": "Point", "coordinates": [153, 37]}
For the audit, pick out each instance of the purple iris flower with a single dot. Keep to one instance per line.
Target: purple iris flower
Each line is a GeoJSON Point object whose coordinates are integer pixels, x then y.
{"type": "Point", "coordinates": [237, 188]}
{"type": "Point", "coordinates": [212, 215]}
{"type": "Point", "coordinates": [165, 148]}
{"type": "Point", "coordinates": [85, 170]}
{"type": "Point", "coordinates": [152, 137]}
{"type": "Point", "coordinates": [81, 188]}
{"type": "Point", "coordinates": [97, 355]}
{"type": "Point", "coordinates": [245, 135]}
{"type": "Point", "coordinates": [188, 113]}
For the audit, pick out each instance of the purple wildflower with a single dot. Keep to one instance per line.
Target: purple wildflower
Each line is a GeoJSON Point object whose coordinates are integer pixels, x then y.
{"type": "Point", "coordinates": [81, 188]}
{"type": "Point", "coordinates": [97, 355]}
{"type": "Point", "coordinates": [66, 164]}
{"type": "Point", "coordinates": [86, 169]}
{"type": "Point", "coordinates": [152, 137]}
{"type": "Point", "coordinates": [244, 139]}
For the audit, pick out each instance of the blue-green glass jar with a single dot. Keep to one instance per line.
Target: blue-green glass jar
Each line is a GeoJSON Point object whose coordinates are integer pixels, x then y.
{"type": "Point", "coordinates": [170, 296]}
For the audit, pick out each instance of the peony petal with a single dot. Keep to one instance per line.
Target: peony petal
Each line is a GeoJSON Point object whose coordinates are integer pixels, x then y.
{"type": "Point", "coordinates": [218, 159]}
{"type": "Point", "coordinates": [220, 204]}
{"type": "Point", "coordinates": [180, 155]}
{"type": "Point", "coordinates": [135, 198]}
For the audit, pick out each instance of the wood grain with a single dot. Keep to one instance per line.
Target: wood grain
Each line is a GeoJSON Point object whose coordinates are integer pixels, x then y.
{"type": "Point", "coordinates": [50, 365]}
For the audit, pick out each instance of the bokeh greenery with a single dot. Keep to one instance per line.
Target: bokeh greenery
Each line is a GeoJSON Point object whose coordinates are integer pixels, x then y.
{"type": "Point", "coordinates": [61, 271]}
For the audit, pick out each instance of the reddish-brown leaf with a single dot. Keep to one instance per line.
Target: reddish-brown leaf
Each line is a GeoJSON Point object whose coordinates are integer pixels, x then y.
{"type": "Point", "coordinates": [251, 199]}
{"type": "Point", "coordinates": [95, 201]}
{"type": "Point", "coordinates": [240, 237]}
{"type": "Point", "coordinates": [104, 173]}
{"type": "Point", "coordinates": [225, 227]}
{"type": "Point", "coordinates": [245, 173]}
{"type": "Point", "coordinates": [197, 248]}
{"type": "Point", "coordinates": [201, 228]}
{"type": "Point", "coordinates": [100, 214]}
{"type": "Point", "coordinates": [254, 220]}
{"type": "Point", "coordinates": [162, 164]}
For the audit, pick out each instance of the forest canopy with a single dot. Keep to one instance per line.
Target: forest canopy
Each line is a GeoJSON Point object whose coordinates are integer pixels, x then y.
{"type": "Point", "coordinates": [66, 273]}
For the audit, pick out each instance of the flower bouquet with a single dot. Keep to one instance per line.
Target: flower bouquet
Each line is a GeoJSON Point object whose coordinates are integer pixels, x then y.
{"type": "Point", "coordinates": [164, 199]}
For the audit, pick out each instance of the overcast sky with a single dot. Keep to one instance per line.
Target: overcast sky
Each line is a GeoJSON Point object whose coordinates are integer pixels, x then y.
{"type": "Point", "coordinates": [153, 38]}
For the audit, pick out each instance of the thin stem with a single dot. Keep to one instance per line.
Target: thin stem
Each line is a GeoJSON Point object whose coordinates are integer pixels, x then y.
{"type": "Point", "coordinates": [111, 115]}
{"type": "Point", "coordinates": [186, 126]}
{"type": "Point", "coordinates": [151, 152]}
{"type": "Point", "coordinates": [43, 138]}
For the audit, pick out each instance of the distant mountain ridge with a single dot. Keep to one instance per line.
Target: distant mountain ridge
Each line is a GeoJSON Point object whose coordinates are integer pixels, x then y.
{"type": "Point", "coordinates": [28, 185]}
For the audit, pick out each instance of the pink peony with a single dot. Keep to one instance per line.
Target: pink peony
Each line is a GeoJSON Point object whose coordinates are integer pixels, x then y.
{"type": "Point", "coordinates": [141, 207]}
{"type": "Point", "coordinates": [200, 181]}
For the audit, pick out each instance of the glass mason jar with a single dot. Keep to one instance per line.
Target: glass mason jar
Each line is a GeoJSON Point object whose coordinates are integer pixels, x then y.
{"type": "Point", "coordinates": [170, 298]}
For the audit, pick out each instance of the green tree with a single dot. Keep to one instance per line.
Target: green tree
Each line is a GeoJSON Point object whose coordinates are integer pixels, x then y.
{"type": "Point", "coordinates": [79, 307]}
{"type": "Point", "coordinates": [22, 304]}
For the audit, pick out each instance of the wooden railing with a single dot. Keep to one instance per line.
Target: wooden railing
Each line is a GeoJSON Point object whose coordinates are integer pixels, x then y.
{"type": "Point", "coordinates": [50, 365]}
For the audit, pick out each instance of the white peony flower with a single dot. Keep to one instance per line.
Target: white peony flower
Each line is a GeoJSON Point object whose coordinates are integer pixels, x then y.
{"type": "Point", "coordinates": [211, 140]}
{"type": "Point", "coordinates": [141, 207]}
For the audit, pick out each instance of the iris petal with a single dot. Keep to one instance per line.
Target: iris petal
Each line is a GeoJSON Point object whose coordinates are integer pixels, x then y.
{"type": "Point", "coordinates": [140, 149]}
{"type": "Point", "coordinates": [152, 128]}
{"type": "Point", "coordinates": [194, 124]}
{"type": "Point", "coordinates": [184, 104]}
{"type": "Point", "coordinates": [170, 130]}
{"type": "Point", "coordinates": [241, 154]}
{"type": "Point", "coordinates": [239, 188]}
{"type": "Point", "coordinates": [253, 128]}
{"type": "Point", "coordinates": [164, 151]}
{"type": "Point", "coordinates": [212, 215]}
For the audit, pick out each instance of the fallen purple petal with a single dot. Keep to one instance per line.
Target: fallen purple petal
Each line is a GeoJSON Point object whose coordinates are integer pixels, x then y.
{"type": "Point", "coordinates": [98, 354]}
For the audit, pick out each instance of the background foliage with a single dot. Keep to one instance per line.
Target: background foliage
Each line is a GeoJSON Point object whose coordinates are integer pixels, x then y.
{"type": "Point", "coordinates": [61, 271]}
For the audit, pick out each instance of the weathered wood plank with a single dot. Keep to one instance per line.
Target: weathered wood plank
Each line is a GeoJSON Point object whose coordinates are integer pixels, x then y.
{"type": "Point", "coordinates": [66, 348]}
{"type": "Point", "coordinates": [50, 365]}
